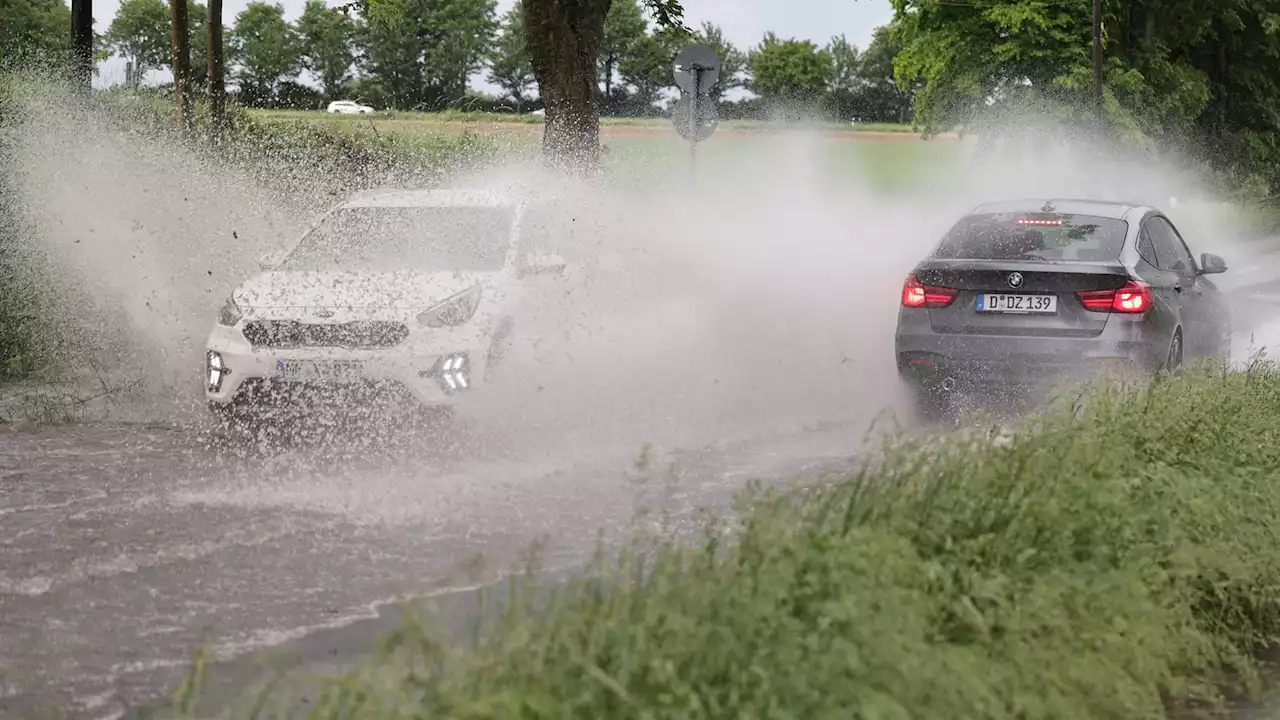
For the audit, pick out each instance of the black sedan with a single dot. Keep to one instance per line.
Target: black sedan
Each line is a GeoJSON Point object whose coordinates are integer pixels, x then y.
{"type": "Point", "coordinates": [1019, 292]}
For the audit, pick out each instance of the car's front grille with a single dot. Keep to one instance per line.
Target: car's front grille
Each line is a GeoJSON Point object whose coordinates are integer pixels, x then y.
{"type": "Point", "coordinates": [270, 393]}
{"type": "Point", "coordinates": [361, 334]}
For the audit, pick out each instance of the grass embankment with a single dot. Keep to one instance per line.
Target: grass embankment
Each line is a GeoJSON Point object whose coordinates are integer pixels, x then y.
{"type": "Point", "coordinates": [1116, 559]}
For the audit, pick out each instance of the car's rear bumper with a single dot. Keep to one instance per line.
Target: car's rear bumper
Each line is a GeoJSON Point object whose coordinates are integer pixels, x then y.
{"type": "Point", "coordinates": [925, 356]}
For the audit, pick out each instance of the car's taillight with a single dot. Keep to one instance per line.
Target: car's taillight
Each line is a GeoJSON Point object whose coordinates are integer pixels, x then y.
{"type": "Point", "coordinates": [917, 295]}
{"type": "Point", "coordinates": [1135, 297]}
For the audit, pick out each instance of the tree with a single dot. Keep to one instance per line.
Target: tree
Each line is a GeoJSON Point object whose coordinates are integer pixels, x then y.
{"type": "Point", "coordinates": [509, 66]}
{"type": "Point", "coordinates": [846, 80]}
{"type": "Point", "coordinates": [790, 74]}
{"type": "Point", "coordinates": [460, 36]}
{"type": "Point", "coordinates": [327, 36]}
{"type": "Point", "coordinates": [33, 30]}
{"type": "Point", "coordinates": [140, 33]}
{"type": "Point", "coordinates": [624, 26]}
{"type": "Point", "coordinates": [392, 56]}
{"type": "Point", "coordinates": [563, 38]}
{"type": "Point", "coordinates": [1203, 75]}
{"type": "Point", "coordinates": [423, 51]}
{"type": "Point", "coordinates": [215, 67]}
{"type": "Point", "coordinates": [266, 50]}
{"type": "Point", "coordinates": [82, 37]}
{"type": "Point", "coordinates": [181, 62]}
{"type": "Point", "coordinates": [198, 24]}
{"type": "Point", "coordinates": [878, 97]}
{"type": "Point", "coordinates": [648, 68]}
{"type": "Point", "coordinates": [732, 61]}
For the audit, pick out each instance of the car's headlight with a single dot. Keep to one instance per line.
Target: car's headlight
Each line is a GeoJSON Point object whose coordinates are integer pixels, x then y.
{"type": "Point", "coordinates": [230, 313]}
{"type": "Point", "coordinates": [454, 311]}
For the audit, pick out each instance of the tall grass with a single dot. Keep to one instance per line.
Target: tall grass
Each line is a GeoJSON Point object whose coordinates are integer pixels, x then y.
{"type": "Point", "coordinates": [25, 344]}
{"type": "Point", "coordinates": [1117, 557]}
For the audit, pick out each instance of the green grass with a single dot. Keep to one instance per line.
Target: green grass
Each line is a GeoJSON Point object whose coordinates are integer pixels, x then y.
{"type": "Point", "coordinates": [392, 118]}
{"type": "Point", "coordinates": [653, 156]}
{"type": "Point", "coordinates": [1115, 558]}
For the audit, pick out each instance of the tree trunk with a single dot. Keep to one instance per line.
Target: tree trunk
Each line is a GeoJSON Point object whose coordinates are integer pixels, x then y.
{"type": "Point", "coordinates": [82, 43]}
{"type": "Point", "coordinates": [181, 61]}
{"type": "Point", "coordinates": [563, 39]}
{"type": "Point", "coordinates": [217, 81]}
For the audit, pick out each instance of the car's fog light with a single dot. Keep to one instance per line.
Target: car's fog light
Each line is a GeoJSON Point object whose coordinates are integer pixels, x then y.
{"type": "Point", "coordinates": [453, 371]}
{"type": "Point", "coordinates": [216, 368]}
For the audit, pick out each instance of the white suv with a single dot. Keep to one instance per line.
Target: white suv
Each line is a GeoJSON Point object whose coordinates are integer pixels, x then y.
{"type": "Point", "coordinates": [347, 107]}
{"type": "Point", "coordinates": [393, 295]}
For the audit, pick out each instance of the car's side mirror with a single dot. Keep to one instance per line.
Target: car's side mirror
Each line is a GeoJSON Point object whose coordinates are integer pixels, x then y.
{"type": "Point", "coordinates": [271, 260]}
{"type": "Point", "coordinates": [1211, 264]}
{"type": "Point", "coordinates": [549, 264]}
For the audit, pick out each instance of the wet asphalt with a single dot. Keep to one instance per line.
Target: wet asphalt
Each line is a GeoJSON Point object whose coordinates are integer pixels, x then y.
{"type": "Point", "coordinates": [127, 547]}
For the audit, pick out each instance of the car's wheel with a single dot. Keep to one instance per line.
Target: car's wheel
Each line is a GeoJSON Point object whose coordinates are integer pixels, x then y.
{"type": "Point", "coordinates": [929, 406]}
{"type": "Point", "coordinates": [1173, 363]}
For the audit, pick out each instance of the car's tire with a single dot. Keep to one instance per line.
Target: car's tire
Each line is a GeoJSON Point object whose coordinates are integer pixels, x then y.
{"type": "Point", "coordinates": [1173, 363]}
{"type": "Point", "coordinates": [929, 406]}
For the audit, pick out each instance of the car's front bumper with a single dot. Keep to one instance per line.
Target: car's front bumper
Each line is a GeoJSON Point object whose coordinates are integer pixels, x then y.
{"type": "Point", "coordinates": [441, 373]}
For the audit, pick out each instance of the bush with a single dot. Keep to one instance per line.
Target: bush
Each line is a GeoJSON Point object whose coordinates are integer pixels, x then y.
{"type": "Point", "coordinates": [24, 342]}
{"type": "Point", "coordinates": [1116, 558]}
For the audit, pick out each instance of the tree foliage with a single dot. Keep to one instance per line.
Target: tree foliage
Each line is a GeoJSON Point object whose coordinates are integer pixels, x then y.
{"type": "Point", "coordinates": [790, 74]}
{"type": "Point", "coordinates": [423, 53]}
{"type": "Point", "coordinates": [31, 30]}
{"type": "Point", "coordinates": [649, 68]}
{"type": "Point", "coordinates": [509, 65]}
{"type": "Point", "coordinates": [625, 30]}
{"type": "Point", "coordinates": [327, 36]}
{"type": "Point", "coordinates": [1176, 70]}
{"type": "Point", "coordinates": [139, 33]}
{"type": "Point", "coordinates": [733, 62]}
{"type": "Point", "coordinates": [266, 50]}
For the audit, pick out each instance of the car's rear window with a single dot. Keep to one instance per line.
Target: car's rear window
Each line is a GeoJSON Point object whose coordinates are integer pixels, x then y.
{"type": "Point", "coordinates": [1034, 236]}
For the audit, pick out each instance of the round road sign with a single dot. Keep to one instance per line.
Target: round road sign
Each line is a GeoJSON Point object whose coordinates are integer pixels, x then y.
{"type": "Point", "coordinates": [705, 119]}
{"type": "Point", "coordinates": [689, 61]}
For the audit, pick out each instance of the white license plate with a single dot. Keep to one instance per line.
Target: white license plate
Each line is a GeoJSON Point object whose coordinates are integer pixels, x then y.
{"type": "Point", "coordinates": [319, 370]}
{"type": "Point", "coordinates": [1007, 303]}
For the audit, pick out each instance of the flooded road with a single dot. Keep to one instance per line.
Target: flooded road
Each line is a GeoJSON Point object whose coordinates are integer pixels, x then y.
{"type": "Point", "coordinates": [126, 547]}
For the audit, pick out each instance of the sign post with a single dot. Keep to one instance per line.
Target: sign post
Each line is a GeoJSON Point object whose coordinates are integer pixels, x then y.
{"type": "Point", "coordinates": [697, 70]}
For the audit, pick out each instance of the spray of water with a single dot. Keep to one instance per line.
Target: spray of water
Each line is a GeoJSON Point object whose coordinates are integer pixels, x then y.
{"type": "Point", "coordinates": [757, 295]}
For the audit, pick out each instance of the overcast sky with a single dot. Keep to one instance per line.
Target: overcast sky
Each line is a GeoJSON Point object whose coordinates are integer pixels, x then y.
{"type": "Point", "coordinates": [743, 21]}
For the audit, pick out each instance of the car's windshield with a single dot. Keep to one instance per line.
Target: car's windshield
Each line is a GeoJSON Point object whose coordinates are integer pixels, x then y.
{"type": "Point", "coordinates": [1034, 236]}
{"type": "Point", "coordinates": [384, 239]}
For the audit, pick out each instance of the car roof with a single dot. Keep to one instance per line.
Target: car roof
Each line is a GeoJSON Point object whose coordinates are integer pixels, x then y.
{"type": "Point", "coordinates": [439, 197]}
{"type": "Point", "coordinates": [1116, 210]}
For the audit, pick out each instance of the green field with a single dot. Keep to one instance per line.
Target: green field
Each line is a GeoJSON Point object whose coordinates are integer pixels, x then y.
{"type": "Point", "coordinates": [887, 157]}
{"type": "Point", "coordinates": [395, 118]}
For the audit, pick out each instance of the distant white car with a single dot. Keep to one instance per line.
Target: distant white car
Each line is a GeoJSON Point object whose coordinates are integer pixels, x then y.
{"type": "Point", "coordinates": [405, 296]}
{"type": "Point", "coordinates": [347, 107]}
